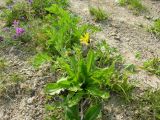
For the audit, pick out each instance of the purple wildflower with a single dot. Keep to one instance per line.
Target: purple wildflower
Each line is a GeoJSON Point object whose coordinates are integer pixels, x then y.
{"type": "Point", "coordinates": [6, 29]}
{"type": "Point", "coordinates": [15, 23]}
{"type": "Point", "coordinates": [19, 31]}
{"type": "Point", "coordinates": [30, 1]}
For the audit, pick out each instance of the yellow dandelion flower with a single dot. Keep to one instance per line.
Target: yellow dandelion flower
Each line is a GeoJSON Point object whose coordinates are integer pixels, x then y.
{"type": "Point", "coordinates": [85, 39]}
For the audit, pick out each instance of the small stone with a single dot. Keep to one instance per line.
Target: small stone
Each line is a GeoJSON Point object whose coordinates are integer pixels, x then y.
{"type": "Point", "coordinates": [1, 114]}
{"type": "Point", "coordinates": [136, 111]}
{"type": "Point", "coordinates": [31, 100]}
{"type": "Point", "coordinates": [117, 37]}
{"type": "Point", "coordinates": [23, 86]}
{"type": "Point", "coordinates": [127, 39]}
{"type": "Point", "coordinates": [113, 34]}
{"type": "Point", "coordinates": [148, 17]}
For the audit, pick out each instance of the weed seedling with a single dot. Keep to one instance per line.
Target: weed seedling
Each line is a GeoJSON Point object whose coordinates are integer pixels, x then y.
{"type": "Point", "coordinates": [138, 55]}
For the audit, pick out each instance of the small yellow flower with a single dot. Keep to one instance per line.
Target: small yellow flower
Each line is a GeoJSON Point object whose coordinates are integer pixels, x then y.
{"type": "Point", "coordinates": [85, 39]}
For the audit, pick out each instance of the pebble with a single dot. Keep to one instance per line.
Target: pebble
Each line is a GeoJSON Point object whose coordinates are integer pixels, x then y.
{"type": "Point", "coordinates": [31, 100]}
{"type": "Point", "coordinates": [117, 37]}
{"type": "Point", "coordinates": [148, 17]}
{"type": "Point", "coordinates": [127, 39]}
{"type": "Point", "coordinates": [1, 114]}
{"type": "Point", "coordinates": [113, 34]}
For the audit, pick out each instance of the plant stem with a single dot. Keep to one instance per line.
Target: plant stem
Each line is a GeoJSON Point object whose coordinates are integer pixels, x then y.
{"type": "Point", "coordinates": [81, 112]}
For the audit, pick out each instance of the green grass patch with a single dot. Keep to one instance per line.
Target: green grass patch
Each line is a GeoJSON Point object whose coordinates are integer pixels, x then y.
{"type": "Point", "coordinates": [153, 66]}
{"type": "Point", "coordinates": [98, 14]}
{"type": "Point", "coordinates": [134, 5]}
{"type": "Point", "coordinates": [148, 106]}
{"type": "Point", "coordinates": [155, 28]}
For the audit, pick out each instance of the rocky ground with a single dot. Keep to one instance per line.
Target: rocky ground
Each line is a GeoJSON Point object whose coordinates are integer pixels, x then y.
{"type": "Point", "coordinates": [24, 100]}
{"type": "Point", "coordinates": [124, 30]}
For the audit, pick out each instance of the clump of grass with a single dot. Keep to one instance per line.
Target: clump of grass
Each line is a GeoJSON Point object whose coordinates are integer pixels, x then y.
{"type": "Point", "coordinates": [153, 66]}
{"type": "Point", "coordinates": [15, 78]}
{"type": "Point", "coordinates": [98, 14]}
{"type": "Point", "coordinates": [122, 2]}
{"type": "Point", "coordinates": [156, 27]}
{"type": "Point", "coordinates": [9, 81]}
{"type": "Point", "coordinates": [9, 2]}
{"type": "Point", "coordinates": [130, 68]}
{"type": "Point", "coordinates": [135, 5]}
